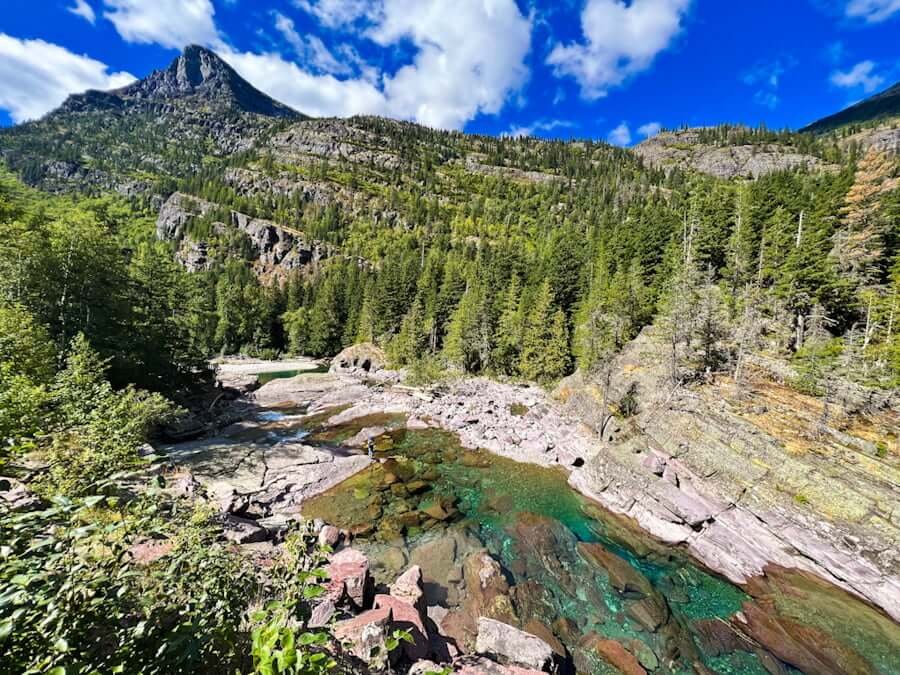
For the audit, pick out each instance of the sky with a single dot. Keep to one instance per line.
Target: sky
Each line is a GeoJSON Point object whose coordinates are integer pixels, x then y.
{"type": "Point", "coordinates": [615, 70]}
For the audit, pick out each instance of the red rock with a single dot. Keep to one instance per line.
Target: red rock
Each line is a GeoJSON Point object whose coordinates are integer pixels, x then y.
{"type": "Point", "coordinates": [804, 647]}
{"type": "Point", "coordinates": [150, 551]}
{"type": "Point", "coordinates": [409, 588]}
{"type": "Point", "coordinates": [348, 572]}
{"type": "Point", "coordinates": [365, 633]}
{"type": "Point", "coordinates": [406, 617]}
{"type": "Point", "coordinates": [614, 653]}
{"type": "Point", "coordinates": [623, 577]}
{"type": "Point", "coordinates": [480, 665]}
{"type": "Point", "coordinates": [542, 631]}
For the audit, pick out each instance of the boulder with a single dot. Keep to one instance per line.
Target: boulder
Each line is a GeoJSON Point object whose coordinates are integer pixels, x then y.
{"type": "Point", "coordinates": [322, 613]}
{"type": "Point", "coordinates": [410, 588]}
{"type": "Point", "coordinates": [243, 530]}
{"type": "Point", "coordinates": [481, 665]}
{"type": "Point", "coordinates": [15, 496]}
{"type": "Point", "coordinates": [365, 357]}
{"type": "Point", "coordinates": [424, 667]}
{"type": "Point", "coordinates": [512, 646]}
{"type": "Point", "coordinates": [365, 635]}
{"type": "Point", "coordinates": [406, 617]}
{"type": "Point", "coordinates": [348, 573]}
{"type": "Point", "coordinates": [329, 535]}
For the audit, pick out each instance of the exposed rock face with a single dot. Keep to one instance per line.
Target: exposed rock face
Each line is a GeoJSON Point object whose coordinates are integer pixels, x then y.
{"type": "Point", "coordinates": [277, 250]}
{"type": "Point", "coordinates": [683, 149]}
{"type": "Point", "coordinates": [197, 72]}
{"type": "Point", "coordinates": [364, 359]}
{"type": "Point", "coordinates": [262, 479]}
{"type": "Point", "coordinates": [719, 473]}
{"type": "Point", "coordinates": [510, 645]}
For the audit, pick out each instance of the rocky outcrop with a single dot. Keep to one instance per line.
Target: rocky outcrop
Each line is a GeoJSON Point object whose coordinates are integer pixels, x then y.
{"type": "Point", "coordinates": [276, 249]}
{"type": "Point", "coordinates": [262, 478]}
{"type": "Point", "coordinates": [364, 360]}
{"type": "Point", "coordinates": [695, 467]}
{"type": "Point", "coordinates": [15, 496]}
{"type": "Point", "coordinates": [720, 471]}
{"type": "Point", "coordinates": [684, 149]}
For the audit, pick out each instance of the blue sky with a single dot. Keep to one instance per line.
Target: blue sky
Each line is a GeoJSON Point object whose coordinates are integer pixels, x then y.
{"type": "Point", "coordinates": [603, 69]}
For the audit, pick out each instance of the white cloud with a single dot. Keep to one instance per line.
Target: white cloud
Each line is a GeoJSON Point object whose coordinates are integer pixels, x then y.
{"type": "Point", "coordinates": [649, 129]}
{"type": "Point", "coordinates": [336, 13]}
{"type": "Point", "coordinates": [621, 135]}
{"type": "Point", "coordinates": [467, 57]}
{"type": "Point", "coordinates": [539, 125]}
{"type": "Point", "coordinates": [170, 23]}
{"type": "Point", "coordinates": [620, 40]}
{"type": "Point", "coordinates": [860, 75]}
{"type": "Point", "coordinates": [36, 76]}
{"type": "Point", "coordinates": [767, 99]}
{"type": "Point", "coordinates": [468, 60]}
{"type": "Point", "coordinates": [84, 10]}
{"type": "Point", "coordinates": [872, 11]}
{"type": "Point", "coordinates": [766, 77]}
{"type": "Point", "coordinates": [317, 95]}
{"type": "Point", "coordinates": [310, 49]}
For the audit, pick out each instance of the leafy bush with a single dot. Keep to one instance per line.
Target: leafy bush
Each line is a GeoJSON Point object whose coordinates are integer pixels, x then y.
{"type": "Point", "coordinates": [281, 640]}
{"type": "Point", "coordinates": [97, 429]}
{"type": "Point", "coordinates": [74, 600]}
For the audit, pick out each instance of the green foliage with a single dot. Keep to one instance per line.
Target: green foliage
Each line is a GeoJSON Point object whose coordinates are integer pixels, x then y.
{"type": "Point", "coordinates": [96, 429]}
{"type": "Point", "coordinates": [72, 596]}
{"type": "Point", "coordinates": [280, 639]}
{"type": "Point", "coordinates": [813, 363]}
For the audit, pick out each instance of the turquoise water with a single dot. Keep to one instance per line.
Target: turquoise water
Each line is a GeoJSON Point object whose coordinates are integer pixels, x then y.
{"type": "Point", "coordinates": [537, 527]}
{"type": "Point", "coordinates": [265, 378]}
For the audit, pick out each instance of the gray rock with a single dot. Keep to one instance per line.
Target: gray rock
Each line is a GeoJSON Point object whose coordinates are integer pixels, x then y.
{"type": "Point", "coordinates": [243, 530]}
{"type": "Point", "coordinates": [511, 645]}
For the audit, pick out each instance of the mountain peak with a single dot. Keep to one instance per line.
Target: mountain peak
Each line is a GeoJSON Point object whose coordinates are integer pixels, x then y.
{"type": "Point", "coordinates": [197, 73]}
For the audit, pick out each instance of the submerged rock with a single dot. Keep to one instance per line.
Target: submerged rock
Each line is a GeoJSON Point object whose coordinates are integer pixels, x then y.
{"type": "Point", "coordinates": [614, 653]}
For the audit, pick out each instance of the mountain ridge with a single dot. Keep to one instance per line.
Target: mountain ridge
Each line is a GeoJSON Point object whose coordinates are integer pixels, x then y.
{"type": "Point", "coordinates": [881, 106]}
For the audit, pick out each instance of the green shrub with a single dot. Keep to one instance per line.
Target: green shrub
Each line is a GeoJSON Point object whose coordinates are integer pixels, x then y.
{"type": "Point", "coordinates": [73, 600]}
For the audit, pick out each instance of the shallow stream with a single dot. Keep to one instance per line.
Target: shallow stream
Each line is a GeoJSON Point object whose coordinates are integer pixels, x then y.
{"type": "Point", "coordinates": [575, 574]}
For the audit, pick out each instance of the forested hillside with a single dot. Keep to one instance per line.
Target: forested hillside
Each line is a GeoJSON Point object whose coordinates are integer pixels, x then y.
{"type": "Point", "coordinates": [147, 230]}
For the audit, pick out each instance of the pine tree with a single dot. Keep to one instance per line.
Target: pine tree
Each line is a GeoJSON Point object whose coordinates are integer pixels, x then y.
{"type": "Point", "coordinates": [508, 337]}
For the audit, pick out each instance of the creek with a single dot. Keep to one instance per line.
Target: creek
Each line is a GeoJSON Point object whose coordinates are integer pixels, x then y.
{"type": "Point", "coordinates": [575, 573]}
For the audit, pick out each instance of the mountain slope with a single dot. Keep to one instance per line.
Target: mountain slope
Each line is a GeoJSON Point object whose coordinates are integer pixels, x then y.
{"type": "Point", "coordinates": [878, 107]}
{"type": "Point", "coordinates": [161, 126]}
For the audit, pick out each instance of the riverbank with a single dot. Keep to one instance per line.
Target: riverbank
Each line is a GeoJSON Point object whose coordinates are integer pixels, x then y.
{"type": "Point", "coordinates": [659, 492]}
{"type": "Point", "coordinates": [267, 467]}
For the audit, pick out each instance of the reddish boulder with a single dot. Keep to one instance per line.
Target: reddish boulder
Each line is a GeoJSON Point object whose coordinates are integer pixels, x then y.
{"type": "Point", "coordinates": [348, 573]}
{"type": "Point", "coordinates": [614, 653]}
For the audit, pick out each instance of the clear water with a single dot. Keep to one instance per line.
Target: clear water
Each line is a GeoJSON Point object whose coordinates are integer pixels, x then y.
{"type": "Point", "coordinates": [265, 378]}
{"type": "Point", "coordinates": [529, 520]}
